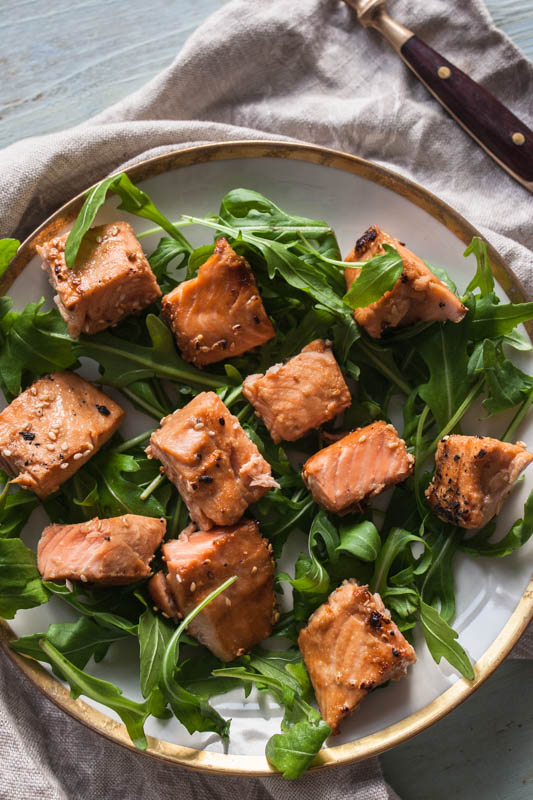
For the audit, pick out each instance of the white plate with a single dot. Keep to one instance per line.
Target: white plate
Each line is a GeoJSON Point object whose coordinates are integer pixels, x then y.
{"type": "Point", "coordinates": [488, 590]}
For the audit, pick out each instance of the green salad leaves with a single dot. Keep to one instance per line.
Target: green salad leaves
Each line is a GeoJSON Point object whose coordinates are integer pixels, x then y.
{"type": "Point", "coordinates": [425, 377]}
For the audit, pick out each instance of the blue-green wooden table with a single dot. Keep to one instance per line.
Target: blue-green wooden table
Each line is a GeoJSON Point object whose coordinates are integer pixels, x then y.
{"type": "Point", "coordinates": [63, 61]}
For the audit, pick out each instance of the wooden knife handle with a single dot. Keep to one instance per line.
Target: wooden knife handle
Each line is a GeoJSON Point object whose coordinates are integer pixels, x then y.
{"type": "Point", "coordinates": [488, 121]}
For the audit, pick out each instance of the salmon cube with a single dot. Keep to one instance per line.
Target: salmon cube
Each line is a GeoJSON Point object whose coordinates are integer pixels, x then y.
{"type": "Point", "coordinates": [197, 564]}
{"type": "Point", "coordinates": [218, 314]}
{"type": "Point", "coordinates": [216, 467]}
{"type": "Point", "coordinates": [359, 466]}
{"type": "Point", "coordinates": [417, 294]}
{"type": "Point", "coordinates": [473, 476]}
{"type": "Point", "coordinates": [52, 429]}
{"type": "Point", "coordinates": [295, 397]}
{"type": "Point", "coordinates": [110, 279]}
{"type": "Point", "coordinates": [106, 552]}
{"type": "Point", "coordinates": [350, 645]}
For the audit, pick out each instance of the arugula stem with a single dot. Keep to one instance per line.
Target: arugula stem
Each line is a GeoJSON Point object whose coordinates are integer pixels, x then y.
{"type": "Point", "coordinates": [3, 496]}
{"type": "Point", "coordinates": [173, 373]}
{"type": "Point", "coordinates": [419, 461]}
{"type": "Point", "coordinates": [160, 394]}
{"type": "Point", "coordinates": [381, 367]}
{"type": "Point", "coordinates": [518, 417]}
{"type": "Point", "coordinates": [186, 220]}
{"type": "Point", "coordinates": [172, 531]}
{"type": "Point", "coordinates": [459, 414]}
{"type": "Point", "coordinates": [233, 396]}
{"type": "Point", "coordinates": [245, 413]}
{"type": "Point", "coordinates": [157, 481]}
{"type": "Point", "coordinates": [178, 224]}
{"type": "Point", "coordinates": [129, 444]}
{"type": "Point", "coordinates": [157, 413]}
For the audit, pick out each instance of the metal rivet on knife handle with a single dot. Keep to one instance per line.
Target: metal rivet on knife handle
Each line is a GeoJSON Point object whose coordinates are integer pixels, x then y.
{"type": "Point", "coordinates": [496, 129]}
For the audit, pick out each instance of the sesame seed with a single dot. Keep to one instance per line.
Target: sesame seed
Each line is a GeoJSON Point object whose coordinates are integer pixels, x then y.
{"type": "Point", "coordinates": [83, 578]}
{"type": "Point", "coordinates": [50, 447]}
{"type": "Point", "coordinates": [64, 465]}
{"type": "Point", "coordinates": [125, 522]}
{"type": "Point", "coordinates": [254, 570]}
{"type": "Point", "coordinates": [235, 327]}
{"type": "Point", "coordinates": [7, 453]}
{"type": "Point", "coordinates": [77, 456]}
{"type": "Point", "coordinates": [228, 601]}
{"type": "Point", "coordinates": [98, 239]}
{"type": "Point", "coordinates": [155, 608]}
{"type": "Point", "coordinates": [52, 436]}
{"type": "Point", "coordinates": [64, 446]}
{"type": "Point", "coordinates": [362, 438]}
{"type": "Point", "coordinates": [114, 230]}
{"type": "Point", "coordinates": [178, 578]}
{"type": "Point", "coordinates": [33, 390]}
{"type": "Point", "coordinates": [165, 615]}
{"type": "Point", "coordinates": [392, 445]}
{"type": "Point", "coordinates": [198, 426]}
{"type": "Point", "coordinates": [87, 452]}
{"type": "Point", "coordinates": [193, 587]}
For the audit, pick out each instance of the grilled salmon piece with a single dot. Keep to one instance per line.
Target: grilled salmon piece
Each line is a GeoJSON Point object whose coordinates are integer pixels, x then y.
{"type": "Point", "coordinates": [218, 314]}
{"type": "Point", "coordinates": [473, 476]}
{"type": "Point", "coordinates": [417, 294]}
{"type": "Point", "coordinates": [198, 563]}
{"type": "Point", "coordinates": [350, 645]}
{"type": "Point", "coordinates": [302, 394]}
{"type": "Point", "coordinates": [216, 467]}
{"type": "Point", "coordinates": [107, 552]}
{"type": "Point", "coordinates": [359, 466]}
{"type": "Point", "coordinates": [110, 279]}
{"type": "Point", "coordinates": [50, 430]}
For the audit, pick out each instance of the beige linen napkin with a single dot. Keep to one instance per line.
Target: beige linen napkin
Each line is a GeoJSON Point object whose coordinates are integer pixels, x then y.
{"type": "Point", "coordinates": [303, 71]}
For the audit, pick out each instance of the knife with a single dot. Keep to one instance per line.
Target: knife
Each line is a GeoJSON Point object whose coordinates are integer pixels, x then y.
{"type": "Point", "coordinates": [496, 129]}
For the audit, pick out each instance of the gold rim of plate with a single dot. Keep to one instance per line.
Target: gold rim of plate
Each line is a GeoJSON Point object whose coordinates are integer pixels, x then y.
{"type": "Point", "coordinates": [393, 735]}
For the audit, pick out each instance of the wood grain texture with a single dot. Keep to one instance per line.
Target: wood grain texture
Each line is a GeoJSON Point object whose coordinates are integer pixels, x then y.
{"type": "Point", "coordinates": [483, 116]}
{"type": "Point", "coordinates": [64, 61]}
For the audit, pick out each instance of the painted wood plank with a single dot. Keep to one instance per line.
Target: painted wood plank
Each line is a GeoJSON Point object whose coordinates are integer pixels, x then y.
{"type": "Point", "coordinates": [483, 749]}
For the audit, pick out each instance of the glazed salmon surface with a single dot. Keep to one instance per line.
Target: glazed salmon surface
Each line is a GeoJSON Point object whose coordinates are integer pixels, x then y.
{"type": "Point", "coordinates": [473, 476]}
{"type": "Point", "coordinates": [357, 467]}
{"type": "Point", "coordinates": [216, 467]}
{"type": "Point", "coordinates": [295, 397]}
{"type": "Point", "coordinates": [350, 645]}
{"type": "Point", "coordinates": [218, 314]}
{"type": "Point", "coordinates": [198, 563]}
{"type": "Point", "coordinates": [52, 429]}
{"type": "Point", "coordinates": [110, 279]}
{"type": "Point", "coordinates": [417, 294]}
{"type": "Point", "coordinates": [108, 552]}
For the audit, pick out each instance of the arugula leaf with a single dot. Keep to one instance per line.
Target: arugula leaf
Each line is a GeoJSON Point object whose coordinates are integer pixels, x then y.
{"type": "Point", "coordinates": [78, 641]}
{"type": "Point", "coordinates": [311, 577]}
{"type": "Point", "coordinates": [244, 208]}
{"type": "Point", "coordinates": [132, 714]}
{"type": "Point", "coordinates": [192, 710]}
{"type": "Point", "coordinates": [445, 353]}
{"type": "Point", "coordinates": [167, 251]}
{"type": "Point", "coordinates": [123, 362]}
{"type": "Point", "coordinates": [16, 508]}
{"type": "Point", "coordinates": [20, 579]}
{"type": "Point", "coordinates": [520, 532]}
{"type": "Point", "coordinates": [304, 731]}
{"type": "Point", "coordinates": [438, 584]}
{"type": "Point", "coordinates": [154, 636]}
{"type": "Point", "coordinates": [493, 319]}
{"type": "Point", "coordinates": [378, 275]}
{"type": "Point", "coordinates": [395, 543]}
{"type": "Point", "coordinates": [506, 384]}
{"type": "Point", "coordinates": [443, 276]}
{"type": "Point", "coordinates": [361, 539]}
{"type": "Point", "coordinates": [8, 251]}
{"type": "Point", "coordinates": [517, 341]}
{"type": "Point", "coordinates": [116, 494]}
{"type": "Point", "coordinates": [441, 641]}
{"type": "Point", "coordinates": [483, 279]}
{"type": "Point", "coordinates": [34, 341]}
{"type": "Point", "coordinates": [133, 200]}
{"type": "Point", "coordinates": [106, 619]}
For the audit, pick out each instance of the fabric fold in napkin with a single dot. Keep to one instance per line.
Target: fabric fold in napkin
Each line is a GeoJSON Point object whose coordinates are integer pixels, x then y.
{"type": "Point", "coordinates": [274, 70]}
